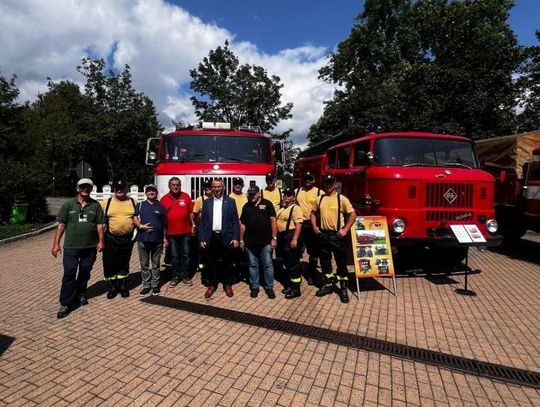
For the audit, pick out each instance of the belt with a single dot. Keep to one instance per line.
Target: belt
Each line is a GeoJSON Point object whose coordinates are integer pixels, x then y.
{"type": "Point", "coordinates": [216, 232]}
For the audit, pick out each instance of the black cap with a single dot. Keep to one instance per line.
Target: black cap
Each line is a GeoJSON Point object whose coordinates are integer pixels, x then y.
{"type": "Point", "coordinates": [288, 192]}
{"type": "Point", "coordinates": [120, 184]}
{"type": "Point", "coordinates": [253, 190]}
{"type": "Point", "coordinates": [270, 176]}
{"type": "Point", "coordinates": [308, 175]}
{"type": "Point", "coordinates": [329, 179]}
{"type": "Point", "coordinates": [237, 180]}
{"type": "Point", "coordinates": [207, 184]}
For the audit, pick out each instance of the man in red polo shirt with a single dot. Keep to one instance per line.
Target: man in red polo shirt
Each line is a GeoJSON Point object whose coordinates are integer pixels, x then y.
{"type": "Point", "coordinates": [180, 226]}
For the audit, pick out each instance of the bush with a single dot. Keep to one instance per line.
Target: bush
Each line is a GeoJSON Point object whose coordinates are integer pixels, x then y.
{"type": "Point", "coordinates": [20, 182]}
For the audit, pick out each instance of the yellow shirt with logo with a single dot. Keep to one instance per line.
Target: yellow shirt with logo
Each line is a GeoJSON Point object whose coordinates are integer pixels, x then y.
{"type": "Point", "coordinates": [240, 200]}
{"type": "Point", "coordinates": [273, 196]}
{"type": "Point", "coordinates": [197, 206]}
{"type": "Point", "coordinates": [329, 211]}
{"type": "Point", "coordinates": [306, 199]}
{"type": "Point", "coordinates": [283, 216]}
{"type": "Point", "coordinates": [120, 216]}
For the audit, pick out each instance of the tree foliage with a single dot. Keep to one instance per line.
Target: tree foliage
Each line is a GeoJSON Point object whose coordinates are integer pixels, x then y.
{"type": "Point", "coordinates": [529, 85]}
{"type": "Point", "coordinates": [237, 94]}
{"type": "Point", "coordinates": [425, 65]}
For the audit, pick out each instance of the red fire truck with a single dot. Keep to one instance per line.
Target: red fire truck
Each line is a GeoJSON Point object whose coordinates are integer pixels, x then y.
{"type": "Point", "coordinates": [212, 150]}
{"type": "Point", "coordinates": [514, 162]}
{"type": "Point", "coordinates": [422, 182]}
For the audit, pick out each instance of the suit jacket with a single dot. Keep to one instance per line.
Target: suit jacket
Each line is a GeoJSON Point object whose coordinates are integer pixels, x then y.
{"type": "Point", "coordinates": [230, 226]}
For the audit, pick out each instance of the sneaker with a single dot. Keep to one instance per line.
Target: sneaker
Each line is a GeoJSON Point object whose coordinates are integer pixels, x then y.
{"type": "Point", "coordinates": [156, 291]}
{"type": "Point", "coordinates": [187, 281]}
{"type": "Point", "coordinates": [63, 312]}
{"type": "Point", "coordinates": [174, 282]}
{"type": "Point", "coordinates": [145, 292]}
{"type": "Point", "coordinates": [270, 293]}
{"type": "Point", "coordinates": [254, 293]}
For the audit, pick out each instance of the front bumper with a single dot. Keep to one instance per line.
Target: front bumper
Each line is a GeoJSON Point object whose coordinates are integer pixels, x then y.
{"type": "Point", "coordinates": [443, 241]}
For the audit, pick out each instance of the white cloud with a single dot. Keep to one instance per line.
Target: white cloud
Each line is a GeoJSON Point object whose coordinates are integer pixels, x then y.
{"type": "Point", "coordinates": [161, 42]}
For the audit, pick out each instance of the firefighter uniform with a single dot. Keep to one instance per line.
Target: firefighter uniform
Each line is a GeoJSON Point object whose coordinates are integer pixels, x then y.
{"type": "Point", "coordinates": [287, 219]}
{"type": "Point", "coordinates": [306, 198]}
{"type": "Point", "coordinates": [329, 211]}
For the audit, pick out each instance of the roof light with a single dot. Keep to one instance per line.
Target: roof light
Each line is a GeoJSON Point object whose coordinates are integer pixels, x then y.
{"type": "Point", "coordinates": [216, 125]}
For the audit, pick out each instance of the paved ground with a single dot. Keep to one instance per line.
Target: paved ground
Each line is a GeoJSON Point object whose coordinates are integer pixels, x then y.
{"type": "Point", "coordinates": [126, 352]}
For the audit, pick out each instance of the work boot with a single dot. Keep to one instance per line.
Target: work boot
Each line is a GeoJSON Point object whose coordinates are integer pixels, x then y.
{"type": "Point", "coordinates": [343, 291]}
{"type": "Point", "coordinates": [112, 289]}
{"type": "Point", "coordinates": [286, 290]}
{"type": "Point", "coordinates": [294, 292]}
{"type": "Point", "coordinates": [325, 290]}
{"type": "Point", "coordinates": [124, 291]}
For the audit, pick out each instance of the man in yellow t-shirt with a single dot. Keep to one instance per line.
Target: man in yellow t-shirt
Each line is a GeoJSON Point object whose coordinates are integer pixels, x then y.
{"type": "Point", "coordinates": [306, 196]}
{"type": "Point", "coordinates": [119, 211]}
{"type": "Point", "coordinates": [289, 226]}
{"type": "Point", "coordinates": [271, 192]}
{"type": "Point", "coordinates": [332, 218]}
{"type": "Point", "coordinates": [239, 197]}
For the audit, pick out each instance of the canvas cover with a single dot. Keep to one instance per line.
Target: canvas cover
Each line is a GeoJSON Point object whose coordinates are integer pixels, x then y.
{"type": "Point", "coordinates": [507, 153]}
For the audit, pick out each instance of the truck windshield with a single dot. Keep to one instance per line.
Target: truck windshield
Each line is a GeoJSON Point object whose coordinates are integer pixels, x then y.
{"type": "Point", "coordinates": [215, 148]}
{"type": "Point", "coordinates": [424, 152]}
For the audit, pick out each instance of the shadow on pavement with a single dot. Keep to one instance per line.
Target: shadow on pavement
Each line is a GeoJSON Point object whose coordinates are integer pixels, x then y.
{"type": "Point", "coordinates": [523, 249]}
{"type": "Point", "coordinates": [5, 343]}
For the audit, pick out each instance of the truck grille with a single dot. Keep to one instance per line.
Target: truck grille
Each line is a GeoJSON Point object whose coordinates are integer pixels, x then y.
{"type": "Point", "coordinates": [448, 215]}
{"type": "Point", "coordinates": [196, 185]}
{"type": "Point", "coordinates": [449, 195]}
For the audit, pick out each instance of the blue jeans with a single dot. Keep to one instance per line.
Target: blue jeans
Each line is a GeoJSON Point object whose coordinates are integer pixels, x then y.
{"type": "Point", "coordinates": [74, 284]}
{"type": "Point", "coordinates": [260, 254]}
{"type": "Point", "coordinates": [179, 255]}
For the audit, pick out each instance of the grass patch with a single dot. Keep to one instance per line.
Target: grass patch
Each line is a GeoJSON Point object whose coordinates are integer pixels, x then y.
{"type": "Point", "coordinates": [8, 230]}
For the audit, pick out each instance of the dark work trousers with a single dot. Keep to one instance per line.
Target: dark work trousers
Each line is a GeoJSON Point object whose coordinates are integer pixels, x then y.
{"type": "Point", "coordinates": [217, 262]}
{"type": "Point", "coordinates": [311, 242]}
{"type": "Point", "coordinates": [332, 244]}
{"type": "Point", "coordinates": [116, 256]}
{"type": "Point", "coordinates": [150, 253]}
{"type": "Point", "coordinates": [289, 257]}
{"type": "Point", "coordinates": [74, 284]}
{"type": "Point", "coordinates": [195, 259]}
{"type": "Point", "coordinates": [179, 245]}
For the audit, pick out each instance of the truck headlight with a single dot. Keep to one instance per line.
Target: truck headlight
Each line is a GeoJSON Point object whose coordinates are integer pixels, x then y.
{"type": "Point", "coordinates": [398, 225]}
{"type": "Point", "coordinates": [492, 226]}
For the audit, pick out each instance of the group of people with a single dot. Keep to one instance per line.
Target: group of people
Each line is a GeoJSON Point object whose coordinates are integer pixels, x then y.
{"type": "Point", "coordinates": [220, 235]}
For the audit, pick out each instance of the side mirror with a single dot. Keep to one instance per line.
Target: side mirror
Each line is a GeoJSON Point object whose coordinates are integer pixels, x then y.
{"type": "Point", "coordinates": [151, 156]}
{"type": "Point", "coordinates": [279, 151]}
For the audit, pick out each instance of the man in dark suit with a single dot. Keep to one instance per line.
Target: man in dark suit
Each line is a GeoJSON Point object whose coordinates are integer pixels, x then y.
{"type": "Point", "coordinates": [219, 234]}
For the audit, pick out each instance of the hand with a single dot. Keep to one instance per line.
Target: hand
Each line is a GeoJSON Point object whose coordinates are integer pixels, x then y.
{"type": "Point", "coordinates": [342, 233]}
{"type": "Point", "coordinates": [317, 231]}
{"type": "Point", "coordinates": [100, 246]}
{"type": "Point", "coordinates": [147, 227]}
{"type": "Point", "coordinates": [273, 243]}
{"type": "Point", "coordinates": [242, 244]}
{"type": "Point", "coordinates": [194, 231]}
{"type": "Point", "coordinates": [235, 244]}
{"type": "Point", "coordinates": [202, 245]}
{"type": "Point", "coordinates": [55, 249]}
{"type": "Point", "coordinates": [294, 244]}
{"type": "Point", "coordinates": [165, 242]}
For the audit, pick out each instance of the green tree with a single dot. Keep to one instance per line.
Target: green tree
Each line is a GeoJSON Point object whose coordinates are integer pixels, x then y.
{"type": "Point", "coordinates": [425, 65]}
{"type": "Point", "coordinates": [529, 85]}
{"type": "Point", "coordinates": [237, 94]}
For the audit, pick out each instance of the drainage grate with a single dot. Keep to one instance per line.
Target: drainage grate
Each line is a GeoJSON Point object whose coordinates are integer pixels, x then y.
{"type": "Point", "coordinates": [471, 366]}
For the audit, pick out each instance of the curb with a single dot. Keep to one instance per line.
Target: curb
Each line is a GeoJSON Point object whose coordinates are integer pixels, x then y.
{"type": "Point", "coordinates": [47, 228]}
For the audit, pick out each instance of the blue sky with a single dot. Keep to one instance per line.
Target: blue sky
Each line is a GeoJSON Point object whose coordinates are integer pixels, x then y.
{"type": "Point", "coordinates": [161, 40]}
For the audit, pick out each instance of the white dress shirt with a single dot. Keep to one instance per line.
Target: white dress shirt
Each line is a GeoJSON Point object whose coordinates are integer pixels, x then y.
{"type": "Point", "coordinates": [216, 218]}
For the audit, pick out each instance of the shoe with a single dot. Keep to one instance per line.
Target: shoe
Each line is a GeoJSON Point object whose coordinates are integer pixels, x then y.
{"type": "Point", "coordinates": [286, 290]}
{"type": "Point", "coordinates": [228, 290]}
{"type": "Point", "coordinates": [309, 280]}
{"type": "Point", "coordinates": [209, 292]}
{"type": "Point", "coordinates": [325, 290]}
{"type": "Point", "coordinates": [124, 291]}
{"type": "Point", "coordinates": [83, 300]}
{"type": "Point", "coordinates": [342, 292]}
{"type": "Point", "coordinates": [145, 292]}
{"type": "Point", "coordinates": [112, 289]}
{"type": "Point", "coordinates": [254, 293]}
{"type": "Point", "coordinates": [156, 291]}
{"type": "Point", "coordinates": [187, 281]}
{"type": "Point", "coordinates": [63, 312]}
{"type": "Point", "coordinates": [174, 282]}
{"type": "Point", "coordinates": [270, 293]}
{"type": "Point", "coordinates": [292, 293]}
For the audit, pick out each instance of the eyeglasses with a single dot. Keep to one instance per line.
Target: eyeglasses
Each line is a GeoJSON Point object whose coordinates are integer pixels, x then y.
{"type": "Point", "coordinates": [85, 186]}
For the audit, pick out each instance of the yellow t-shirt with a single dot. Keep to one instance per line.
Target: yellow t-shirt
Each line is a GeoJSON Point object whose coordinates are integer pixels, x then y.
{"type": "Point", "coordinates": [273, 196]}
{"type": "Point", "coordinates": [120, 215]}
{"type": "Point", "coordinates": [197, 206]}
{"type": "Point", "coordinates": [306, 199]}
{"type": "Point", "coordinates": [240, 200]}
{"type": "Point", "coordinates": [283, 216]}
{"type": "Point", "coordinates": [329, 211]}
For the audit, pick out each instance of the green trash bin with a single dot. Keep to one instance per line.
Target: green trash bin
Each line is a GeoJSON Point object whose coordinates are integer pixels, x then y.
{"type": "Point", "coordinates": [19, 211]}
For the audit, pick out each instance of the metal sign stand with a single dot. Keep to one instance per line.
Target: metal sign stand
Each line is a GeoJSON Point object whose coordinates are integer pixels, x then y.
{"type": "Point", "coordinates": [393, 284]}
{"type": "Point", "coordinates": [465, 290]}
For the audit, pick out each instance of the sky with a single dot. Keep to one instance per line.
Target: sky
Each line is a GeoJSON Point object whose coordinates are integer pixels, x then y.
{"type": "Point", "coordinates": [161, 40]}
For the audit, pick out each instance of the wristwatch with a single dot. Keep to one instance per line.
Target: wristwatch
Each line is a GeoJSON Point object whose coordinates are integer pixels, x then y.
{"type": "Point", "coordinates": [273, 237]}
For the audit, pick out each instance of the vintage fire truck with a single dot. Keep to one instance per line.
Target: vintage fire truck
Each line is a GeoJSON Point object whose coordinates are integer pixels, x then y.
{"type": "Point", "coordinates": [514, 161]}
{"type": "Point", "coordinates": [211, 150]}
{"type": "Point", "coordinates": [421, 182]}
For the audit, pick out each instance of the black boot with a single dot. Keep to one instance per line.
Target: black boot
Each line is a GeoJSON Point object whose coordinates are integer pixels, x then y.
{"type": "Point", "coordinates": [325, 290]}
{"type": "Point", "coordinates": [112, 289]}
{"type": "Point", "coordinates": [293, 292]}
{"type": "Point", "coordinates": [343, 291]}
{"type": "Point", "coordinates": [124, 291]}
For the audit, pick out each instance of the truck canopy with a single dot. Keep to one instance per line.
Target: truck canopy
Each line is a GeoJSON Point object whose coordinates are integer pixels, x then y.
{"type": "Point", "coordinates": [508, 153]}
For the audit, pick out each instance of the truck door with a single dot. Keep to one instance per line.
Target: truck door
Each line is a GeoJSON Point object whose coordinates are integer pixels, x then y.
{"type": "Point", "coordinates": [355, 177]}
{"type": "Point", "coordinates": [343, 155]}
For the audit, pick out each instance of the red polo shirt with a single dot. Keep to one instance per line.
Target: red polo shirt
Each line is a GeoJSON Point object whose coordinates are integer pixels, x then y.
{"type": "Point", "coordinates": [178, 210]}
